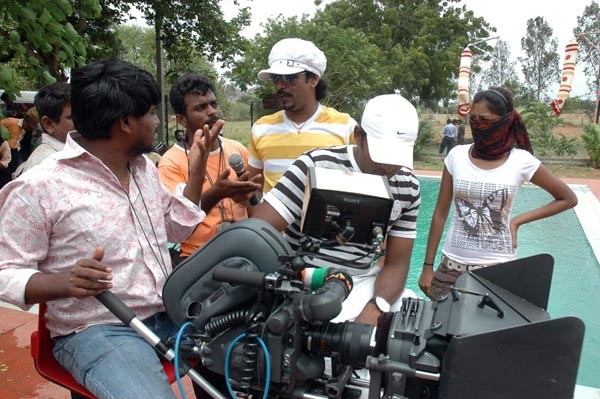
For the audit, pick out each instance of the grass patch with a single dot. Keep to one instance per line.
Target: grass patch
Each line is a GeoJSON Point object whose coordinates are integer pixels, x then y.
{"type": "Point", "coordinates": [238, 131]}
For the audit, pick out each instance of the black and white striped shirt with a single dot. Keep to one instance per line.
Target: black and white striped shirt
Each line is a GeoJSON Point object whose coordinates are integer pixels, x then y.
{"type": "Point", "coordinates": [288, 195]}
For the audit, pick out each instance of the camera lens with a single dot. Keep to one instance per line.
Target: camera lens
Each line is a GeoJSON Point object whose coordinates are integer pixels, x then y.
{"type": "Point", "coordinates": [350, 342]}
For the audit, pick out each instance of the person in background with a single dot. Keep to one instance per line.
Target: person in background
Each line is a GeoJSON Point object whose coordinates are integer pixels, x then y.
{"type": "Point", "coordinates": [12, 109]}
{"type": "Point", "coordinates": [53, 104]}
{"type": "Point", "coordinates": [481, 181]}
{"type": "Point", "coordinates": [96, 217]}
{"type": "Point", "coordinates": [449, 137]}
{"type": "Point", "coordinates": [5, 158]}
{"type": "Point", "coordinates": [296, 69]}
{"type": "Point", "coordinates": [379, 150]}
{"type": "Point", "coordinates": [26, 144]}
{"type": "Point", "coordinates": [460, 132]}
{"type": "Point", "coordinates": [193, 98]}
{"type": "Point", "coordinates": [17, 129]}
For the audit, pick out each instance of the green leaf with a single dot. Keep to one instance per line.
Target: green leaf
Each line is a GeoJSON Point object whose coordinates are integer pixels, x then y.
{"type": "Point", "coordinates": [4, 133]}
{"type": "Point", "coordinates": [45, 17]}
{"type": "Point", "coordinates": [48, 78]}
{"type": "Point", "coordinates": [5, 74]}
{"type": "Point", "coordinates": [27, 14]}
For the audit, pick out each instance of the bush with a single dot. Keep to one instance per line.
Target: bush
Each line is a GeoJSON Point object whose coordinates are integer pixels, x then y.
{"type": "Point", "coordinates": [565, 146]}
{"type": "Point", "coordinates": [540, 122]}
{"type": "Point", "coordinates": [425, 135]}
{"type": "Point", "coordinates": [591, 138]}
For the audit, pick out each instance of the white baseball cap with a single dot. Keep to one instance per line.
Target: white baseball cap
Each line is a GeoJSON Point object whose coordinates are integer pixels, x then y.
{"type": "Point", "coordinates": [292, 55]}
{"type": "Point", "coordinates": [391, 124]}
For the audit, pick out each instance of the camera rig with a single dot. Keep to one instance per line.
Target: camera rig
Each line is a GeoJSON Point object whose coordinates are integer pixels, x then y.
{"type": "Point", "coordinates": [254, 321]}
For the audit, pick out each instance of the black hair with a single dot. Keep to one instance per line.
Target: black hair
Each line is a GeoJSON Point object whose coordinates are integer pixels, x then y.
{"type": "Point", "coordinates": [500, 100]}
{"type": "Point", "coordinates": [194, 83]}
{"type": "Point", "coordinates": [448, 121]}
{"type": "Point", "coordinates": [322, 89]}
{"type": "Point", "coordinates": [51, 100]}
{"type": "Point", "coordinates": [106, 90]}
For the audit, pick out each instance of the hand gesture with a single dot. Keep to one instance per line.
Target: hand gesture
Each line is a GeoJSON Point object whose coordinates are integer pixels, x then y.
{"type": "Point", "coordinates": [239, 190]}
{"type": "Point", "coordinates": [200, 149]}
{"type": "Point", "coordinates": [89, 277]}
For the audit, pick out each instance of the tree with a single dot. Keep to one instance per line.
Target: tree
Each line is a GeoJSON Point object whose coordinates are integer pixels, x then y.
{"type": "Point", "coordinates": [46, 38]}
{"type": "Point", "coordinates": [421, 40]}
{"type": "Point", "coordinates": [41, 40]}
{"type": "Point", "coordinates": [541, 62]}
{"type": "Point", "coordinates": [588, 37]}
{"type": "Point", "coordinates": [198, 24]}
{"type": "Point", "coordinates": [355, 68]}
{"type": "Point", "coordinates": [501, 69]}
{"type": "Point", "coordinates": [137, 44]}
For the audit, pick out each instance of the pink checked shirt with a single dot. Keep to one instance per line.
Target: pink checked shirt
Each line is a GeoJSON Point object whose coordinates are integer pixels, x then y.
{"type": "Point", "coordinates": [61, 210]}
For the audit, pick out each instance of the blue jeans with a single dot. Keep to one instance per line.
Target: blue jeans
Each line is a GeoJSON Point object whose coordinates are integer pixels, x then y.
{"type": "Point", "coordinates": [113, 361]}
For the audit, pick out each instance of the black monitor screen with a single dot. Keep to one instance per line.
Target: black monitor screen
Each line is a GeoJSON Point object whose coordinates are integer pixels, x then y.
{"type": "Point", "coordinates": [336, 198]}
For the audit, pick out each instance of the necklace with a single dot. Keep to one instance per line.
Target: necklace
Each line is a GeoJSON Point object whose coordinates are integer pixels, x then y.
{"type": "Point", "coordinates": [162, 265]}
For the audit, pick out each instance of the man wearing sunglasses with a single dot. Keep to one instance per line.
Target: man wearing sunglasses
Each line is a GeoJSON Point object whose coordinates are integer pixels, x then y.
{"type": "Point", "coordinates": [296, 68]}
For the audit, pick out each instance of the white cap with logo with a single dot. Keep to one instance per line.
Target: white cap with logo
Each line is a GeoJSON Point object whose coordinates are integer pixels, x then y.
{"type": "Point", "coordinates": [292, 55]}
{"type": "Point", "coordinates": [391, 123]}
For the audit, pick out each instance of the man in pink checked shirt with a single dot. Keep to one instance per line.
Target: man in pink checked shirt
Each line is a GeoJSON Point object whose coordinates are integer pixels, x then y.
{"type": "Point", "coordinates": [95, 217]}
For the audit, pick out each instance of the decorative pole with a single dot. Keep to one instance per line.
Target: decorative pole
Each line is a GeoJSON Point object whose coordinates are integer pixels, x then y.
{"type": "Point", "coordinates": [464, 102]}
{"type": "Point", "coordinates": [567, 76]}
{"type": "Point", "coordinates": [464, 72]}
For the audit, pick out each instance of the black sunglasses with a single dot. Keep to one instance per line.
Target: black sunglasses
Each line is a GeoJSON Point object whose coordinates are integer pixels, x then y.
{"type": "Point", "coordinates": [286, 79]}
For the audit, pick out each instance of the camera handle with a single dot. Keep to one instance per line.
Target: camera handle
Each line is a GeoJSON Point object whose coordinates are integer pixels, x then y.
{"type": "Point", "coordinates": [126, 315]}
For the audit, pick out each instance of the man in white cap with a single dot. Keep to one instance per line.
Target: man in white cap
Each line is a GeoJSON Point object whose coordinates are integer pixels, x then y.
{"type": "Point", "coordinates": [296, 68]}
{"type": "Point", "coordinates": [384, 146]}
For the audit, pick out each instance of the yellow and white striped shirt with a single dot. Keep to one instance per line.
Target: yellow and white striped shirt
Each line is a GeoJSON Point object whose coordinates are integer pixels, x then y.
{"type": "Point", "coordinates": [276, 142]}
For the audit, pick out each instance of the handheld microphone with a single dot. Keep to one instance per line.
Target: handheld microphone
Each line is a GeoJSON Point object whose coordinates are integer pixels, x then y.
{"type": "Point", "coordinates": [237, 164]}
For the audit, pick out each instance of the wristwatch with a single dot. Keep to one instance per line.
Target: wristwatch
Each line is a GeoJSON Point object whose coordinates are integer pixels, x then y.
{"type": "Point", "coordinates": [382, 304]}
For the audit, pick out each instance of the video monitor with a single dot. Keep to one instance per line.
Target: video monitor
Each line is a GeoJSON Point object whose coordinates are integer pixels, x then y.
{"type": "Point", "coordinates": [336, 198]}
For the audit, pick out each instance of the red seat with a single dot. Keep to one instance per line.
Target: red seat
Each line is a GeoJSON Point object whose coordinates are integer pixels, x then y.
{"type": "Point", "coordinates": [49, 368]}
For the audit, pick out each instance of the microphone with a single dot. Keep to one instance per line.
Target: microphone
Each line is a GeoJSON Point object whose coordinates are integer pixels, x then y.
{"type": "Point", "coordinates": [237, 164]}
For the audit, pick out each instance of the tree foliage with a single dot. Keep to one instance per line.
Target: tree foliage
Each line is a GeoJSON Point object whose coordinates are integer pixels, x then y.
{"type": "Point", "coordinates": [421, 40]}
{"type": "Point", "coordinates": [198, 24]}
{"type": "Point", "coordinates": [355, 67]}
{"type": "Point", "coordinates": [588, 37]}
{"type": "Point", "coordinates": [379, 46]}
{"type": "Point", "coordinates": [501, 69]}
{"type": "Point", "coordinates": [41, 38]}
{"type": "Point", "coordinates": [541, 62]}
{"type": "Point", "coordinates": [138, 46]}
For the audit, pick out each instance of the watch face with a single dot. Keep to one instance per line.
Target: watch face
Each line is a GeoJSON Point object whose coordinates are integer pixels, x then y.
{"type": "Point", "coordinates": [382, 304]}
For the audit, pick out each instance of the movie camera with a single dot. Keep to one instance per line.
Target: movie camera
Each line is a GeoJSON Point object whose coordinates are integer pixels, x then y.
{"type": "Point", "coordinates": [263, 329]}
